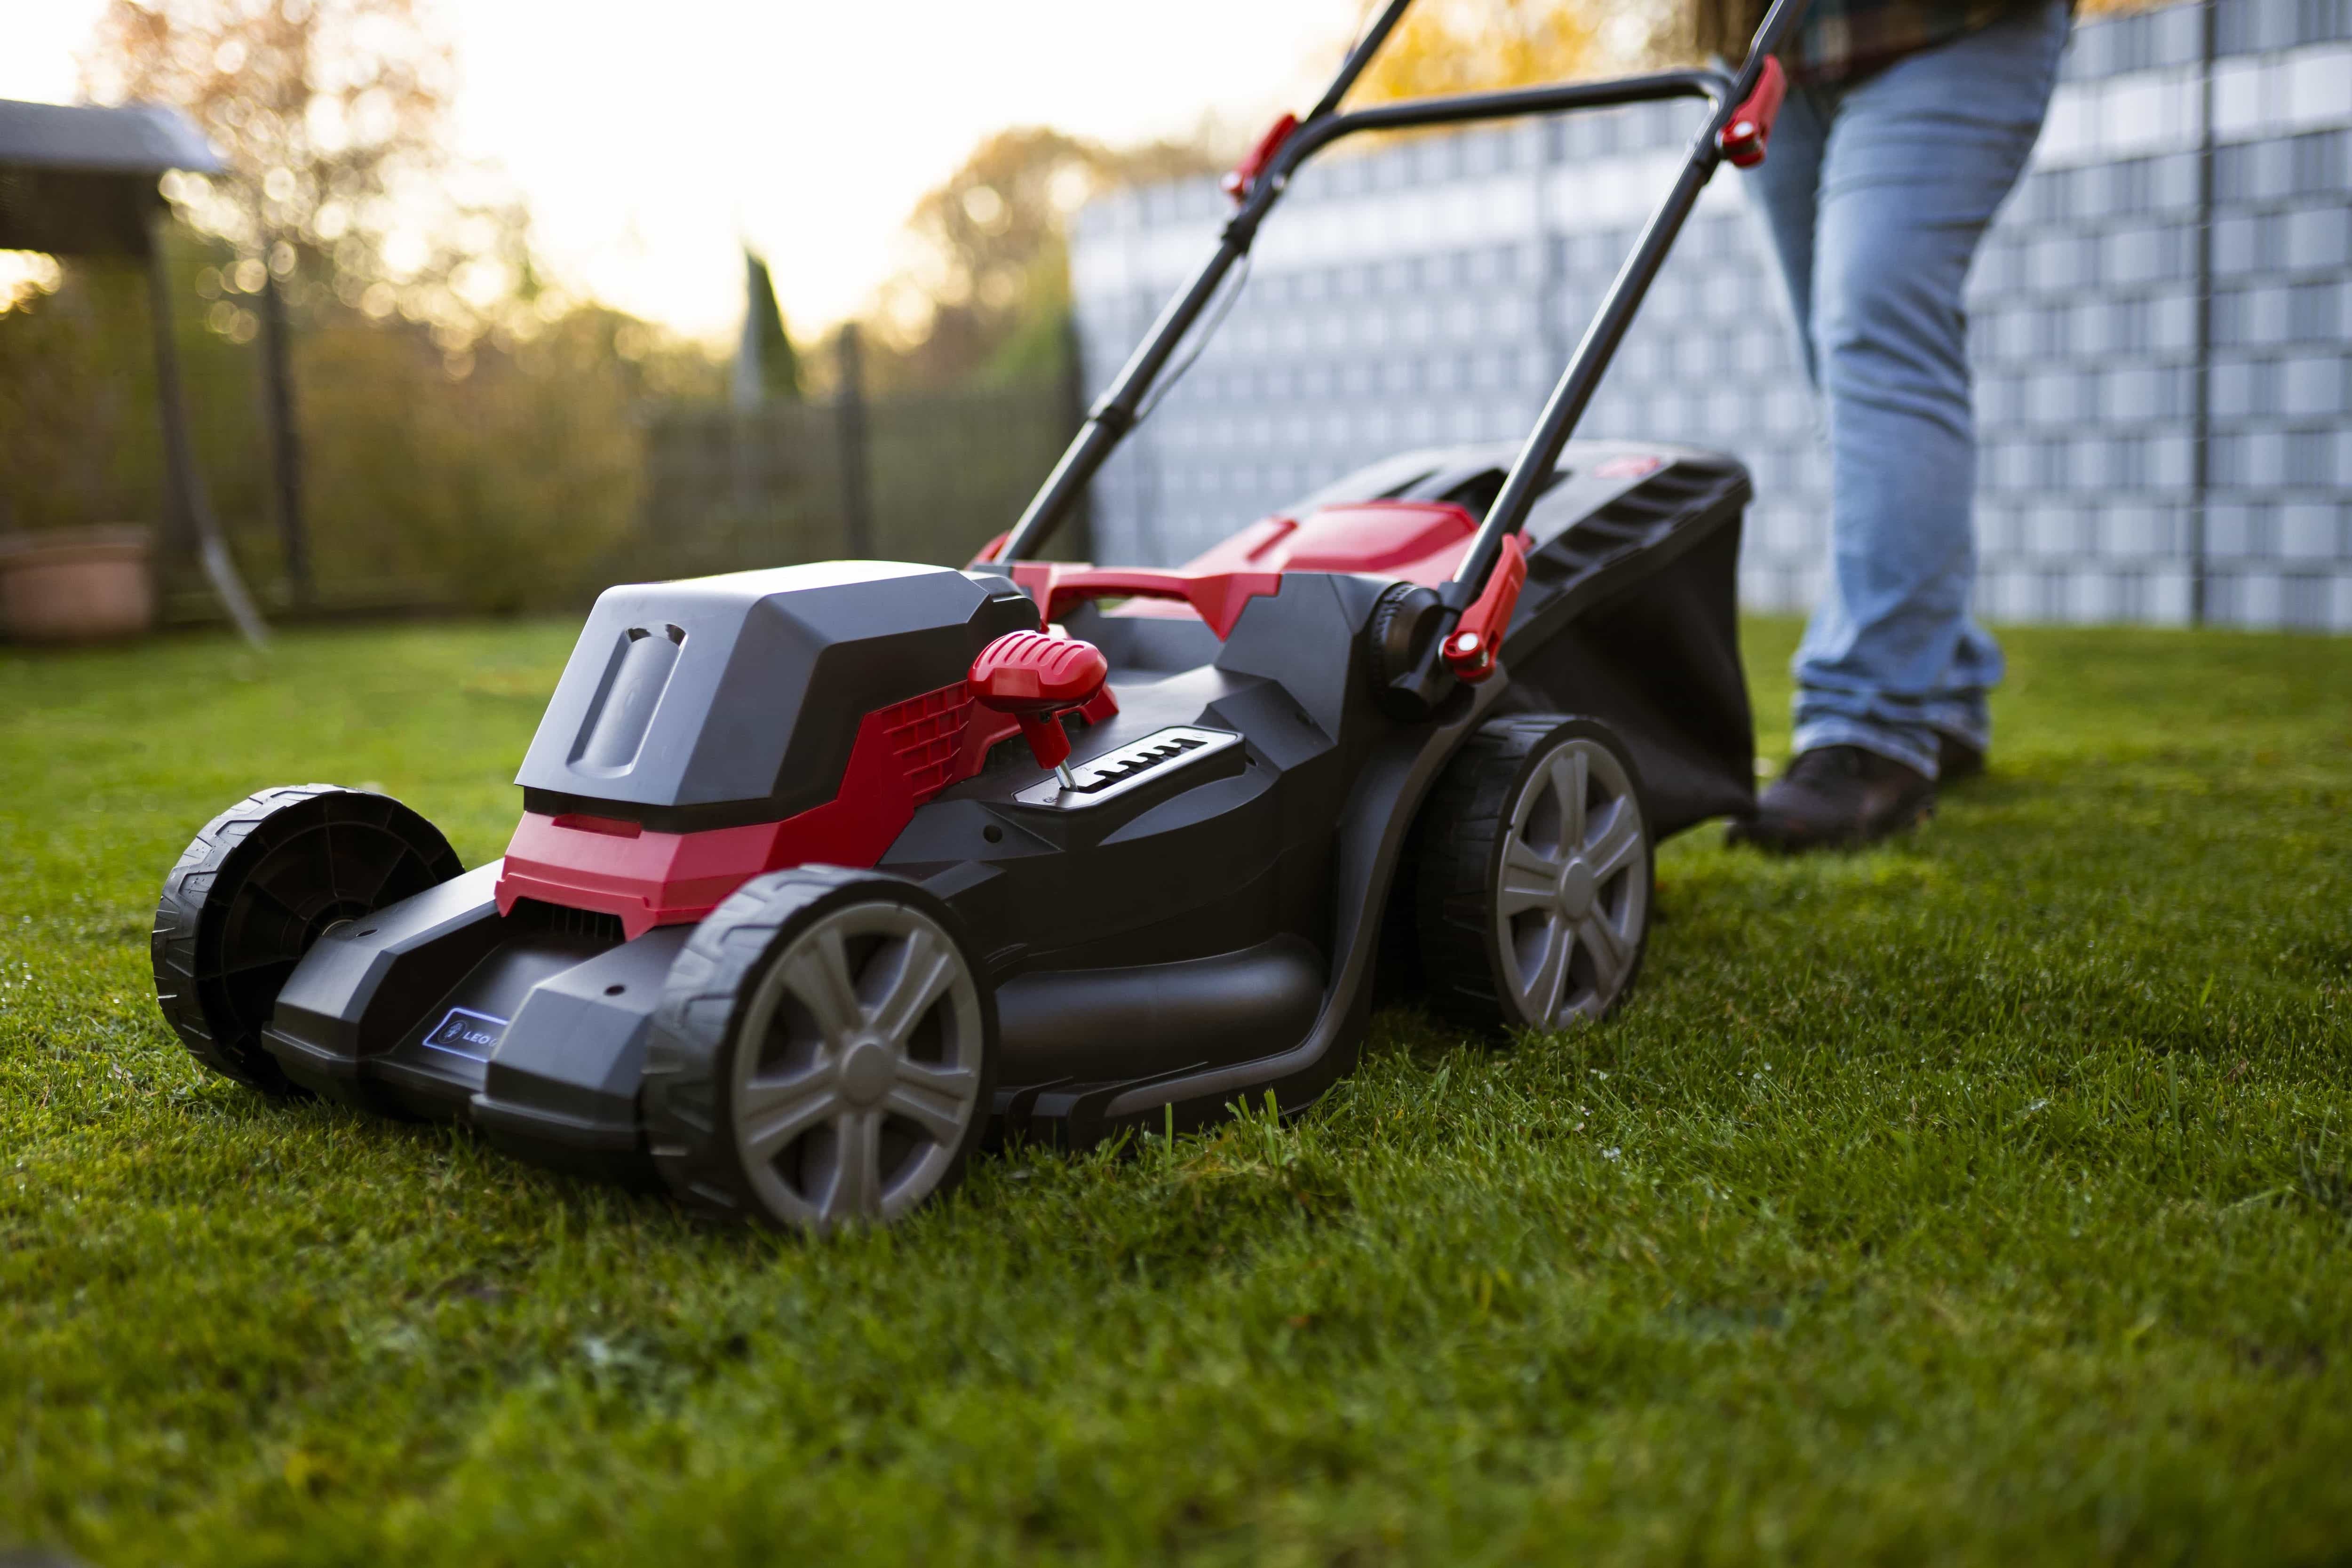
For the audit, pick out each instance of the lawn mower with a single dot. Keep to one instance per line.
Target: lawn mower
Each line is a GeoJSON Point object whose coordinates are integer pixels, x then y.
{"type": "Point", "coordinates": [827, 874]}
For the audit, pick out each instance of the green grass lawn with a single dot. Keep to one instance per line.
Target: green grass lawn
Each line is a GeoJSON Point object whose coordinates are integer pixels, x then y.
{"type": "Point", "coordinates": [1983, 1198]}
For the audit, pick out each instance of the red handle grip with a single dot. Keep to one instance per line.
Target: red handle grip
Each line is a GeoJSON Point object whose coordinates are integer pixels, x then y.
{"type": "Point", "coordinates": [1218, 597]}
{"type": "Point", "coordinates": [1743, 136]}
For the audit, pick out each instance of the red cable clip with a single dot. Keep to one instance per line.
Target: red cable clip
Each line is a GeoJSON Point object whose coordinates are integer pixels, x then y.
{"type": "Point", "coordinates": [1237, 184]}
{"type": "Point", "coordinates": [1471, 646]}
{"type": "Point", "coordinates": [1743, 136]}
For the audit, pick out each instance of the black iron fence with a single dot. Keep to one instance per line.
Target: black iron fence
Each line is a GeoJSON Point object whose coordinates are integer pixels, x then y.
{"type": "Point", "coordinates": [926, 479]}
{"type": "Point", "coordinates": [430, 496]}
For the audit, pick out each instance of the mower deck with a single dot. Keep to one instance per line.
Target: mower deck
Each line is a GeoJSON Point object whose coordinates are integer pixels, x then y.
{"type": "Point", "coordinates": [1198, 919]}
{"type": "Point", "coordinates": [828, 873]}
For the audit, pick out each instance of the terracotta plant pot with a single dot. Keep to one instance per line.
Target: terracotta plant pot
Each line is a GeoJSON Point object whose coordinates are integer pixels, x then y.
{"type": "Point", "coordinates": [76, 584]}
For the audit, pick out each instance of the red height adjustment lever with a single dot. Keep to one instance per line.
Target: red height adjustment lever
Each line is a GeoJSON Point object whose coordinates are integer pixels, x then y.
{"type": "Point", "coordinates": [1743, 136]}
{"type": "Point", "coordinates": [1470, 646]}
{"type": "Point", "coordinates": [1036, 678]}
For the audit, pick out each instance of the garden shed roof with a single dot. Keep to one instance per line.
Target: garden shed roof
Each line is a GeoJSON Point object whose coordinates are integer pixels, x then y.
{"type": "Point", "coordinates": [78, 180]}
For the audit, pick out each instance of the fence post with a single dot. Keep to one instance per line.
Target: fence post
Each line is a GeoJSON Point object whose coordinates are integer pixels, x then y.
{"type": "Point", "coordinates": [2200, 419]}
{"type": "Point", "coordinates": [285, 445]}
{"type": "Point", "coordinates": [191, 508]}
{"type": "Point", "coordinates": [744, 429]}
{"type": "Point", "coordinates": [849, 412]}
{"type": "Point", "coordinates": [1078, 526]}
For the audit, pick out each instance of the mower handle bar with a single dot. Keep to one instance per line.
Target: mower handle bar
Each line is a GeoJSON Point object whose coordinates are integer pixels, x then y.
{"type": "Point", "coordinates": [1120, 408]}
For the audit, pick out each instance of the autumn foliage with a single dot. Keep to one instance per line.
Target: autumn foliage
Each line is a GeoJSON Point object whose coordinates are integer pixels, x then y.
{"type": "Point", "coordinates": [1471, 45]}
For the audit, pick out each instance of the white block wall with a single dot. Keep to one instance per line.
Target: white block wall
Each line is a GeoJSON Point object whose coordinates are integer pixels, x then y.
{"type": "Point", "coordinates": [1431, 291]}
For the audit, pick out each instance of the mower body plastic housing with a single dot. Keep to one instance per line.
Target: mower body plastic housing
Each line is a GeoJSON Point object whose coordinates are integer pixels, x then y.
{"type": "Point", "coordinates": [1208, 922]}
{"type": "Point", "coordinates": [751, 716]}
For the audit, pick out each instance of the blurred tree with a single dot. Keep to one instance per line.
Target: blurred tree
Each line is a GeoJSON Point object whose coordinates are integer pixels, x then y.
{"type": "Point", "coordinates": [335, 118]}
{"type": "Point", "coordinates": [1472, 45]}
{"type": "Point", "coordinates": [989, 290]}
{"type": "Point", "coordinates": [469, 430]}
{"type": "Point", "coordinates": [318, 104]}
{"type": "Point", "coordinates": [502, 490]}
{"type": "Point", "coordinates": [75, 399]}
{"type": "Point", "coordinates": [766, 367]}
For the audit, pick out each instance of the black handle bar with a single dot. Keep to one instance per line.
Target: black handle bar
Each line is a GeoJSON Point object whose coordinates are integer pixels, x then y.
{"type": "Point", "coordinates": [1116, 410]}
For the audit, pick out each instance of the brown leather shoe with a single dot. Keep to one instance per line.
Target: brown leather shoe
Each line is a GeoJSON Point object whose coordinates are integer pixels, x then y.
{"type": "Point", "coordinates": [1836, 797]}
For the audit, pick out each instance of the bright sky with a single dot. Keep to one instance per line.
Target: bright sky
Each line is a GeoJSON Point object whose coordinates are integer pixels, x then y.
{"type": "Point", "coordinates": [647, 137]}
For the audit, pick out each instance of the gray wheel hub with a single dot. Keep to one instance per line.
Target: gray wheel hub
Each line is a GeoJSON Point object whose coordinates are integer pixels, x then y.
{"type": "Point", "coordinates": [1577, 886]}
{"type": "Point", "coordinates": [1573, 892]}
{"type": "Point", "coordinates": [866, 1070]}
{"type": "Point", "coordinates": [858, 1066]}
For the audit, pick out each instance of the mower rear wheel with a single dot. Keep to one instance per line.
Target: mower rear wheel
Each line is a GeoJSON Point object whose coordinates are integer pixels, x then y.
{"type": "Point", "coordinates": [262, 882]}
{"type": "Point", "coordinates": [824, 1052]}
{"type": "Point", "coordinates": [1534, 876]}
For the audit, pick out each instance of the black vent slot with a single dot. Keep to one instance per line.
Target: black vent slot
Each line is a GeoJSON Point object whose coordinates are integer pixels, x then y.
{"type": "Point", "coordinates": [1476, 494]}
{"type": "Point", "coordinates": [591, 925]}
{"type": "Point", "coordinates": [1666, 494]}
{"type": "Point", "coordinates": [1635, 521]}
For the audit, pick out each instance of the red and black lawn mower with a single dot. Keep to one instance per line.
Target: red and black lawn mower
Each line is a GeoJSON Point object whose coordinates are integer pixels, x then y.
{"type": "Point", "coordinates": [826, 874]}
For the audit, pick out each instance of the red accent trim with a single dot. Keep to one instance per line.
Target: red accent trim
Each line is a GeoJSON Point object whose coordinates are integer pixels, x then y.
{"type": "Point", "coordinates": [927, 733]}
{"type": "Point", "coordinates": [612, 825]}
{"type": "Point", "coordinates": [1470, 646]}
{"type": "Point", "coordinates": [1411, 541]}
{"type": "Point", "coordinates": [1244, 175]}
{"type": "Point", "coordinates": [903, 755]}
{"type": "Point", "coordinates": [1629, 467]}
{"type": "Point", "coordinates": [1048, 742]}
{"type": "Point", "coordinates": [1102, 705]}
{"type": "Point", "coordinates": [1252, 549]}
{"type": "Point", "coordinates": [1743, 136]}
{"type": "Point", "coordinates": [982, 733]}
{"type": "Point", "coordinates": [1258, 538]}
{"type": "Point", "coordinates": [988, 552]}
{"type": "Point", "coordinates": [1218, 597]}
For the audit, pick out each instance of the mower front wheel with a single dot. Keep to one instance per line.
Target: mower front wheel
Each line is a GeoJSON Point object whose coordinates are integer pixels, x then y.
{"type": "Point", "coordinates": [1534, 876]}
{"type": "Point", "coordinates": [261, 883]}
{"type": "Point", "coordinates": [824, 1052]}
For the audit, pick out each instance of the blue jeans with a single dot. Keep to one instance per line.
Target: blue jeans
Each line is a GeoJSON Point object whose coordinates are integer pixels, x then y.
{"type": "Point", "coordinates": [1875, 195]}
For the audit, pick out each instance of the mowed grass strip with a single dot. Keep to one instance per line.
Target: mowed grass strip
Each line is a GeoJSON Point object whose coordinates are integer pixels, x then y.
{"type": "Point", "coordinates": [1987, 1197]}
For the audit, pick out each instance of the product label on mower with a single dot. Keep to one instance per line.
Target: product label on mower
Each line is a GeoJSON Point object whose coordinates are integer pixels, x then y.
{"type": "Point", "coordinates": [466, 1034]}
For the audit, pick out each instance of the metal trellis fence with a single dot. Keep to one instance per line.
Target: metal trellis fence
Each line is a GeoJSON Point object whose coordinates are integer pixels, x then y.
{"type": "Point", "coordinates": [2164, 415]}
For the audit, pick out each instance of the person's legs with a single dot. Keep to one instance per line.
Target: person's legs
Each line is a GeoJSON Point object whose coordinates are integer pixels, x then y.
{"type": "Point", "coordinates": [1916, 162]}
{"type": "Point", "coordinates": [1783, 194]}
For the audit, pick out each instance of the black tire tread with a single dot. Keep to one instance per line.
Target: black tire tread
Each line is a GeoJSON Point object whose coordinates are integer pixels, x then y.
{"type": "Point", "coordinates": [1460, 822]}
{"type": "Point", "coordinates": [179, 920]}
{"type": "Point", "coordinates": [694, 1024]}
